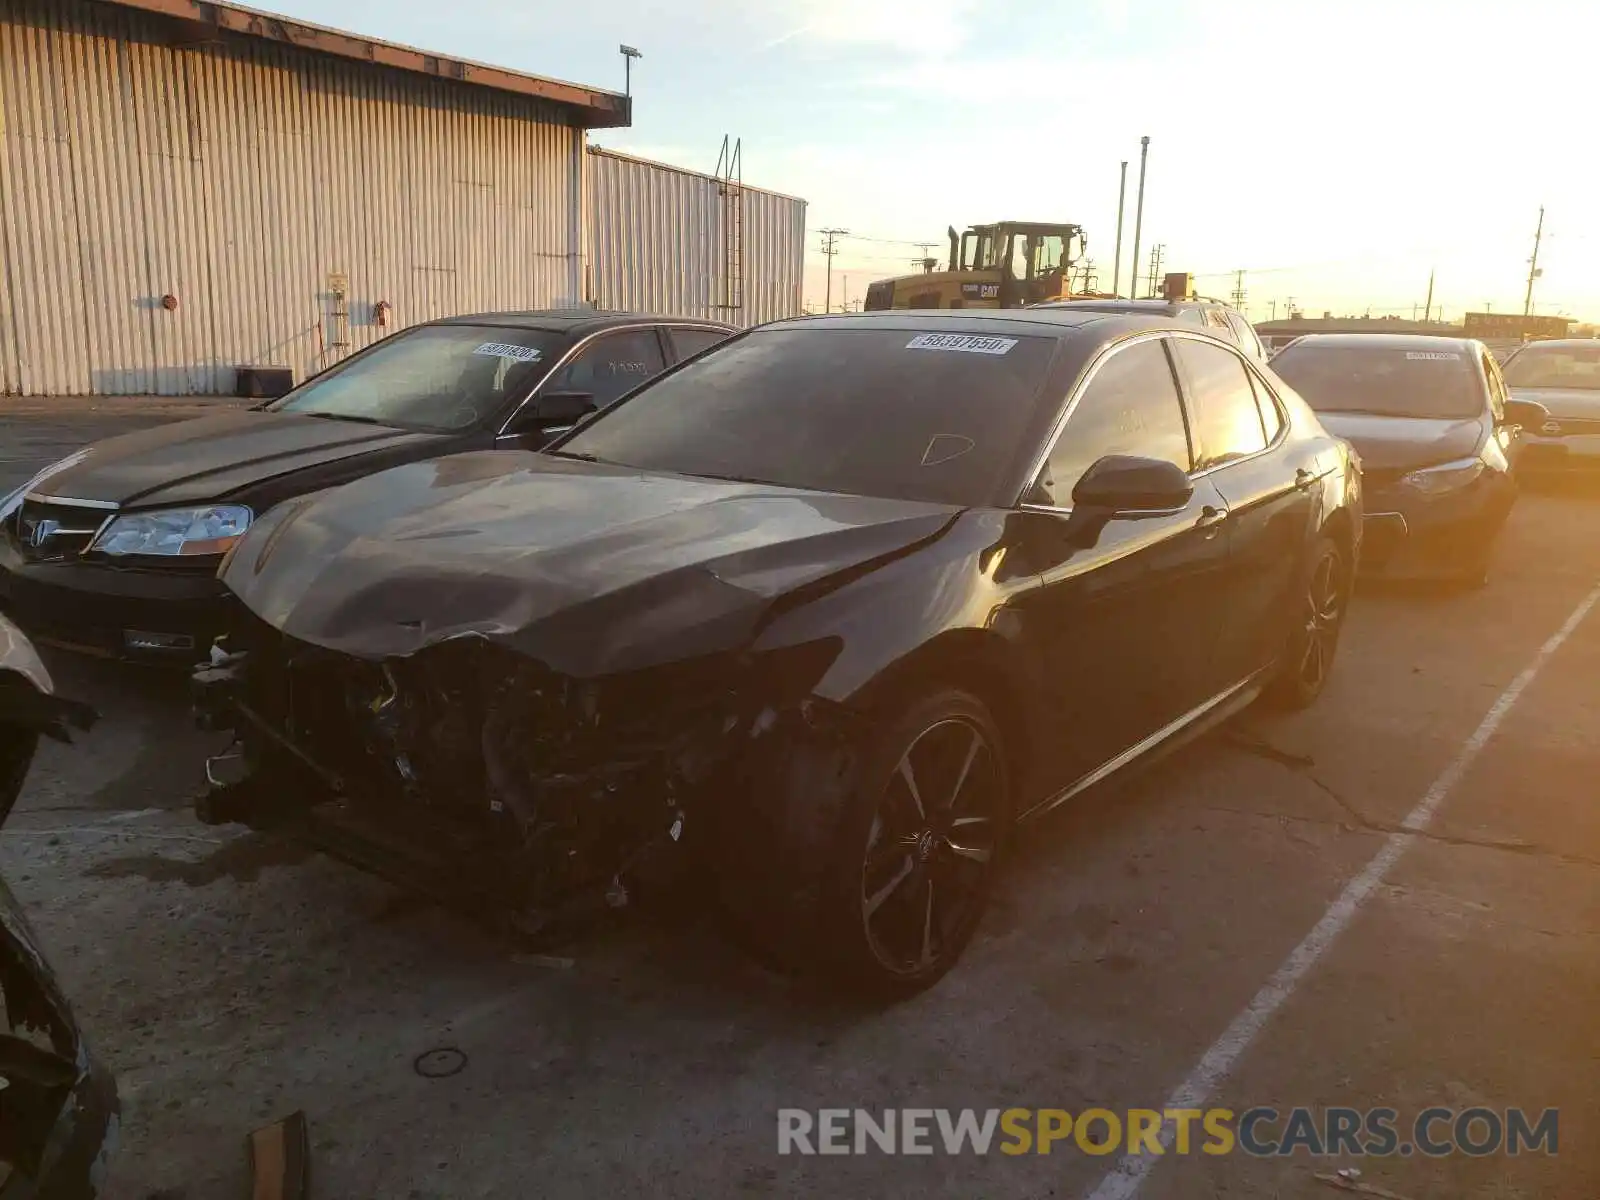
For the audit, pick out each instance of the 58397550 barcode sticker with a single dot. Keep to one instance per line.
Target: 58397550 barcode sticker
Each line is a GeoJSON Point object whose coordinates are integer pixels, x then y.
{"type": "Point", "coordinates": [965, 343]}
{"type": "Point", "coordinates": [507, 350]}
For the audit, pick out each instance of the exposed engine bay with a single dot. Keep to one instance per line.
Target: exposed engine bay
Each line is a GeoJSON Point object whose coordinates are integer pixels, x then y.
{"type": "Point", "coordinates": [556, 791]}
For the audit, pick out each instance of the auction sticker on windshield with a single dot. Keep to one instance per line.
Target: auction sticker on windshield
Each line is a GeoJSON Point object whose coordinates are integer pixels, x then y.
{"type": "Point", "coordinates": [966, 343]}
{"type": "Point", "coordinates": [506, 350]}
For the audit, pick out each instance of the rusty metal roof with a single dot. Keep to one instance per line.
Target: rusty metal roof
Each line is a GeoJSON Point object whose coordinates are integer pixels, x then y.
{"type": "Point", "coordinates": [200, 21]}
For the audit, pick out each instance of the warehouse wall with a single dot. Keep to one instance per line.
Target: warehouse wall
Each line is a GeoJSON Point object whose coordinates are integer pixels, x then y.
{"type": "Point", "coordinates": [656, 243]}
{"type": "Point", "coordinates": [243, 179]}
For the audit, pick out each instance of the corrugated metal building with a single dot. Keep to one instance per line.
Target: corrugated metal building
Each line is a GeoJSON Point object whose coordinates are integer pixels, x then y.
{"type": "Point", "coordinates": [187, 187]}
{"type": "Point", "coordinates": [663, 239]}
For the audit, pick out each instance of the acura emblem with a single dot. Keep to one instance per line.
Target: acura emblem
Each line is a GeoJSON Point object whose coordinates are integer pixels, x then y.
{"type": "Point", "coordinates": [43, 530]}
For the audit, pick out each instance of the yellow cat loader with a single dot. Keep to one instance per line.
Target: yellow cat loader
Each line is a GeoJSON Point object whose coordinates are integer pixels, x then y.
{"type": "Point", "coordinates": [1006, 265]}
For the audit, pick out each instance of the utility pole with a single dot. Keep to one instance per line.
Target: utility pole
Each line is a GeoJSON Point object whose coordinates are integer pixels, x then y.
{"type": "Point", "coordinates": [1533, 265]}
{"type": "Point", "coordinates": [1238, 290]}
{"type": "Point", "coordinates": [1427, 309]}
{"type": "Point", "coordinates": [1138, 220]}
{"type": "Point", "coordinates": [830, 249]}
{"type": "Point", "coordinates": [1155, 266]}
{"type": "Point", "coordinates": [1274, 310]}
{"type": "Point", "coordinates": [1116, 261]}
{"type": "Point", "coordinates": [926, 261]}
{"type": "Point", "coordinates": [1088, 278]}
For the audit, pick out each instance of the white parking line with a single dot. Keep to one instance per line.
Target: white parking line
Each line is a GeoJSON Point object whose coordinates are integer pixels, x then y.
{"type": "Point", "coordinates": [1125, 1179]}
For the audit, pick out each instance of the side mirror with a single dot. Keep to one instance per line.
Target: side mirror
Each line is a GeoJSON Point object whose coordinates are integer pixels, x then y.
{"type": "Point", "coordinates": [1120, 483]}
{"type": "Point", "coordinates": [553, 412]}
{"type": "Point", "coordinates": [1526, 413]}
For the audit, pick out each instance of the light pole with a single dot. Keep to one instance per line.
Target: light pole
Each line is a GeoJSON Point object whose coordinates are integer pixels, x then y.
{"type": "Point", "coordinates": [628, 55]}
{"type": "Point", "coordinates": [1138, 220]}
{"type": "Point", "coordinates": [1116, 261]}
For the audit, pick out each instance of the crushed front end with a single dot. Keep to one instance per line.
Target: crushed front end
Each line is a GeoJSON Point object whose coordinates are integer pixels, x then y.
{"type": "Point", "coordinates": [476, 773]}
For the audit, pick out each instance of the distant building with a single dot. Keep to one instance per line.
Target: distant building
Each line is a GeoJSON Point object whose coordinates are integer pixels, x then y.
{"type": "Point", "coordinates": [188, 187]}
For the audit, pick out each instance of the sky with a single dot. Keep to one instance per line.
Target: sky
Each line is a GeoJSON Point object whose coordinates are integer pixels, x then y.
{"type": "Point", "coordinates": [1335, 155]}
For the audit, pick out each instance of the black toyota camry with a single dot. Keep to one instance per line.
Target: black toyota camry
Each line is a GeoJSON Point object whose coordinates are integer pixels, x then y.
{"type": "Point", "coordinates": [114, 549]}
{"type": "Point", "coordinates": [827, 610]}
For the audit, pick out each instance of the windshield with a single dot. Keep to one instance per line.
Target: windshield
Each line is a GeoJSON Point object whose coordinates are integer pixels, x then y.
{"type": "Point", "coordinates": [1391, 381]}
{"type": "Point", "coordinates": [876, 412]}
{"type": "Point", "coordinates": [1555, 367]}
{"type": "Point", "coordinates": [433, 378]}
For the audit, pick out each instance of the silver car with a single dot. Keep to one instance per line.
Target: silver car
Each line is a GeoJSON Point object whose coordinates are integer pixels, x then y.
{"type": "Point", "coordinates": [1563, 379]}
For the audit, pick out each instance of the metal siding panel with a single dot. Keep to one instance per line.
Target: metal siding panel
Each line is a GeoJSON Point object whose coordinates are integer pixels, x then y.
{"type": "Point", "coordinates": [656, 243]}
{"type": "Point", "coordinates": [238, 177]}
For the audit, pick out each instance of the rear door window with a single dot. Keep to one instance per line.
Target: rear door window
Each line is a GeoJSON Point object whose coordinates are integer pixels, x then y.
{"type": "Point", "coordinates": [1222, 403]}
{"type": "Point", "coordinates": [1245, 335]}
{"type": "Point", "coordinates": [1272, 420]}
{"type": "Point", "coordinates": [687, 342]}
{"type": "Point", "coordinates": [611, 365]}
{"type": "Point", "coordinates": [1131, 406]}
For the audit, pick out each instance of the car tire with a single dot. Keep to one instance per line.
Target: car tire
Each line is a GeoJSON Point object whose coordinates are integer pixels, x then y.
{"type": "Point", "coordinates": [918, 849]}
{"type": "Point", "coordinates": [863, 922]}
{"type": "Point", "coordinates": [1320, 598]}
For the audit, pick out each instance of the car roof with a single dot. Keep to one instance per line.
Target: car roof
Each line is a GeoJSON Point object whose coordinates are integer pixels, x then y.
{"type": "Point", "coordinates": [575, 321]}
{"type": "Point", "coordinates": [1062, 324]}
{"type": "Point", "coordinates": [1389, 341]}
{"type": "Point", "coordinates": [1155, 305]}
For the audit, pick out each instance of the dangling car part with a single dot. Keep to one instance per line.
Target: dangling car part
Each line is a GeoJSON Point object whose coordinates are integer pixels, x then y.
{"type": "Point", "coordinates": [824, 612]}
{"type": "Point", "coordinates": [58, 1106]}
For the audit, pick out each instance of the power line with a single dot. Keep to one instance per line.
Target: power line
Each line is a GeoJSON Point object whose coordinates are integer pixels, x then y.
{"type": "Point", "coordinates": [861, 237]}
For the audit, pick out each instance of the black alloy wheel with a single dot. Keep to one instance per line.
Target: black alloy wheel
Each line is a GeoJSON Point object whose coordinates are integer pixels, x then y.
{"type": "Point", "coordinates": [931, 848]}
{"type": "Point", "coordinates": [1314, 637]}
{"type": "Point", "coordinates": [1324, 610]}
{"type": "Point", "coordinates": [920, 847]}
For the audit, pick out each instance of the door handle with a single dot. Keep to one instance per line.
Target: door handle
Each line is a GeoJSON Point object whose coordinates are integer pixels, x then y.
{"type": "Point", "coordinates": [1210, 519]}
{"type": "Point", "coordinates": [1303, 478]}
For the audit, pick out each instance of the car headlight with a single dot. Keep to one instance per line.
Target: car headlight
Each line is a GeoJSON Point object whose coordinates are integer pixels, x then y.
{"type": "Point", "coordinates": [211, 529]}
{"type": "Point", "coordinates": [1445, 477]}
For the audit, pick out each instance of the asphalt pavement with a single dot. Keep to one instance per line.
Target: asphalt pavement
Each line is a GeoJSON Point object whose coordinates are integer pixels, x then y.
{"type": "Point", "coordinates": [1391, 900]}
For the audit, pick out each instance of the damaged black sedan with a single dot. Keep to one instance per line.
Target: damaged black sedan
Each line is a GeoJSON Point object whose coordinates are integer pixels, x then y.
{"type": "Point", "coordinates": [825, 612]}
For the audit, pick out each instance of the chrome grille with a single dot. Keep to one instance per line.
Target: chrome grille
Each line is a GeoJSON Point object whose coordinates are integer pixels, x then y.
{"type": "Point", "coordinates": [55, 530]}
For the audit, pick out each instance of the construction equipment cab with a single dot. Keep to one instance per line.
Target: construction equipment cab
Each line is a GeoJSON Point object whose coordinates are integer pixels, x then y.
{"type": "Point", "coordinates": [1008, 265]}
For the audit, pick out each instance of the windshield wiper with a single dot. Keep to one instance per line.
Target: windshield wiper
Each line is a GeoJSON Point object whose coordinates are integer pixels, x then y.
{"type": "Point", "coordinates": [577, 454]}
{"type": "Point", "coordinates": [353, 419]}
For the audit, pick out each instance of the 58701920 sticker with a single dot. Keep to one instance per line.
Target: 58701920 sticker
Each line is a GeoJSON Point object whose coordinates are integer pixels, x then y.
{"type": "Point", "coordinates": [1432, 356]}
{"type": "Point", "coordinates": [965, 343]}
{"type": "Point", "coordinates": [506, 350]}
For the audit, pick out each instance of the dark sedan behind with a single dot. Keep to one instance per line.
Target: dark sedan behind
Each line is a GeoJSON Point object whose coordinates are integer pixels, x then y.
{"type": "Point", "coordinates": [1428, 418]}
{"type": "Point", "coordinates": [114, 550]}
